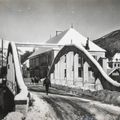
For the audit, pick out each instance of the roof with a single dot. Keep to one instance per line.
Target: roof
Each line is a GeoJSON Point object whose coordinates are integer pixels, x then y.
{"type": "Point", "coordinates": [26, 63]}
{"type": "Point", "coordinates": [57, 38]}
{"type": "Point", "coordinates": [116, 57]}
{"type": "Point", "coordinates": [110, 71]}
{"type": "Point", "coordinates": [71, 36]}
{"type": "Point", "coordinates": [40, 51]}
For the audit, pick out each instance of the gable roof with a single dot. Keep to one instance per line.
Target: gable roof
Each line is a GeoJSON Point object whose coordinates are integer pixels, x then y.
{"type": "Point", "coordinates": [40, 51]}
{"type": "Point", "coordinates": [57, 38]}
{"type": "Point", "coordinates": [116, 57]}
{"type": "Point", "coordinates": [110, 71]}
{"type": "Point", "coordinates": [71, 36]}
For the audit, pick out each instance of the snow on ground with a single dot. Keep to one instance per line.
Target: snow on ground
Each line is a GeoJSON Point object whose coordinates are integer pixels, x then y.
{"type": "Point", "coordinates": [14, 116]}
{"type": "Point", "coordinates": [40, 110]}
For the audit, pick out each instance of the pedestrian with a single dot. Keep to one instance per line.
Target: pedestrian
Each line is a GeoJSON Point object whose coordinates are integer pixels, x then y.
{"type": "Point", "coordinates": [32, 80]}
{"type": "Point", "coordinates": [35, 80]}
{"type": "Point", "coordinates": [47, 84]}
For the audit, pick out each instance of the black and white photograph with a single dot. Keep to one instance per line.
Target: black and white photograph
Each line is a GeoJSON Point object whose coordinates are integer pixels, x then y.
{"type": "Point", "coordinates": [59, 59]}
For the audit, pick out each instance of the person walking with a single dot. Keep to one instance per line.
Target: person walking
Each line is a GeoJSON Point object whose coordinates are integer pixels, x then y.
{"type": "Point", "coordinates": [47, 84]}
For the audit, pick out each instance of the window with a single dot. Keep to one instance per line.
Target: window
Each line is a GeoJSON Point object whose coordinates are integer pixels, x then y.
{"type": "Point", "coordinates": [90, 69]}
{"type": "Point", "coordinates": [80, 60]}
{"type": "Point", "coordinates": [65, 73]}
{"type": "Point", "coordinates": [65, 59]}
{"type": "Point", "coordinates": [114, 65]}
{"type": "Point", "coordinates": [80, 71]}
{"type": "Point", "coordinates": [37, 61]}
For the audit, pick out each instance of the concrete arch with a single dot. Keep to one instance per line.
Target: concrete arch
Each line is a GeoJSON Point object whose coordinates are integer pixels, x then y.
{"type": "Point", "coordinates": [106, 81]}
{"type": "Point", "coordinates": [14, 78]}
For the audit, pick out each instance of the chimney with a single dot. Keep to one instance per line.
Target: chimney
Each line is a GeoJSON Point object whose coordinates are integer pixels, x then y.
{"type": "Point", "coordinates": [71, 25]}
{"type": "Point", "coordinates": [58, 32]}
{"type": "Point", "coordinates": [87, 44]}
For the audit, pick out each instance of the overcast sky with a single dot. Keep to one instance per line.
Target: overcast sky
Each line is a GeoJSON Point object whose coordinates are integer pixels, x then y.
{"type": "Point", "coordinates": [35, 20]}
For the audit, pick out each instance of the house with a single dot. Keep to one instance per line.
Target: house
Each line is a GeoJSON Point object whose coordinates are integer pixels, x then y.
{"type": "Point", "coordinates": [40, 61]}
{"type": "Point", "coordinates": [115, 62]}
{"type": "Point", "coordinates": [71, 68]}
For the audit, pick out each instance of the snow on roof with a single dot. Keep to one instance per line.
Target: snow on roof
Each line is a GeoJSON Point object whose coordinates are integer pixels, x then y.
{"type": "Point", "coordinates": [90, 59]}
{"type": "Point", "coordinates": [40, 51]}
{"type": "Point", "coordinates": [116, 57]}
{"type": "Point", "coordinates": [110, 71]}
{"type": "Point", "coordinates": [57, 38]}
{"type": "Point", "coordinates": [71, 36]}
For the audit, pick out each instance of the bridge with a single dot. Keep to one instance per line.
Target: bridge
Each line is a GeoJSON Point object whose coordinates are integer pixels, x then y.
{"type": "Point", "coordinates": [14, 95]}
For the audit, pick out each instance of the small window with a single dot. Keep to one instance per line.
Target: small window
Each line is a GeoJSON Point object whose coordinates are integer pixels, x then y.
{"type": "Point", "coordinates": [114, 65]}
{"type": "Point", "coordinates": [80, 59]}
{"type": "Point", "coordinates": [65, 73]}
{"type": "Point", "coordinates": [65, 59]}
{"type": "Point", "coordinates": [90, 69]}
{"type": "Point", "coordinates": [79, 72]}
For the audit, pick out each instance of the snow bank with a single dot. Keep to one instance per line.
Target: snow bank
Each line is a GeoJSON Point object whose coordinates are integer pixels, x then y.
{"type": "Point", "coordinates": [14, 116]}
{"type": "Point", "coordinates": [40, 110]}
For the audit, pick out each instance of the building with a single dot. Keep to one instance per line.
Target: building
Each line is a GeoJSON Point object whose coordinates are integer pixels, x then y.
{"type": "Point", "coordinates": [71, 68]}
{"type": "Point", "coordinates": [40, 61]}
{"type": "Point", "coordinates": [115, 62]}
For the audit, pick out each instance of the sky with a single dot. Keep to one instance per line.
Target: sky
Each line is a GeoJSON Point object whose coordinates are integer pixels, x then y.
{"type": "Point", "coordinates": [37, 20]}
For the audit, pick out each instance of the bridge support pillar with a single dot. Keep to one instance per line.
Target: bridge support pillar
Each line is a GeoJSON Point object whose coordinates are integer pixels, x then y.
{"type": "Point", "coordinates": [21, 106]}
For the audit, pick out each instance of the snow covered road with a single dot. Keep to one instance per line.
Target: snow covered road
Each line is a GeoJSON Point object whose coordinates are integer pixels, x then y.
{"type": "Point", "coordinates": [73, 108]}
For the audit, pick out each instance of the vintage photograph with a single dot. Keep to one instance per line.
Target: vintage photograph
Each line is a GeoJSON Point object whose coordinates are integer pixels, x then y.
{"type": "Point", "coordinates": [59, 59]}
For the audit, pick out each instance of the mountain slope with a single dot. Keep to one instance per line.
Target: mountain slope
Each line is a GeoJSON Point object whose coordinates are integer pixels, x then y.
{"type": "Point", "coordinates": [110, 42]}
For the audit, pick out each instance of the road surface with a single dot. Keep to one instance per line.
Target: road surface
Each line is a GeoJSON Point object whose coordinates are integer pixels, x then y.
{"type": "Point", "coordinates": [73, 108]}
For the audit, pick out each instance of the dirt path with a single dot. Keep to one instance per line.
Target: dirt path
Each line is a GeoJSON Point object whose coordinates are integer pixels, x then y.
{"type": "Point", "coordinates": [73, 108]}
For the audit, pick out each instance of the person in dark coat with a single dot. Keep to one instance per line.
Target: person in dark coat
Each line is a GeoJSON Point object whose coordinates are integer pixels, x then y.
{"type": "Point", "coordinates": [47, 84]}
